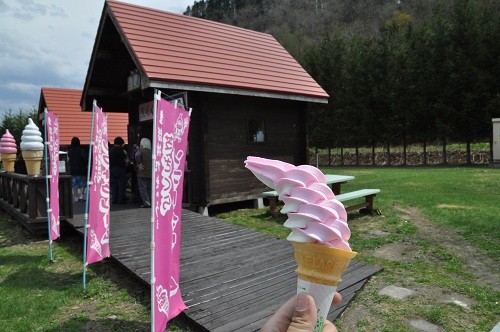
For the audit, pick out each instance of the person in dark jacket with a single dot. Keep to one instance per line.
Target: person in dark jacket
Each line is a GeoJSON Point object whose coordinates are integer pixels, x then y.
{"type": "Point", "coordinates": [78, 159]}
{"type": "Point", "coordinates": [118, 171]}
{"type": "Point", "coordinates": [19, 164]}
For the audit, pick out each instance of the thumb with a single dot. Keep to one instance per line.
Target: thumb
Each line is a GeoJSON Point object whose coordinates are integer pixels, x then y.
{"type": "Point", "coordinates": [304, 317]}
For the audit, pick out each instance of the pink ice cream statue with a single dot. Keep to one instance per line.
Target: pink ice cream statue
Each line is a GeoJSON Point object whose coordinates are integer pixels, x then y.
{"type": "Point", "coordinates": [8, 150]}
{"type": "Point", "coordinates": [318, 223]}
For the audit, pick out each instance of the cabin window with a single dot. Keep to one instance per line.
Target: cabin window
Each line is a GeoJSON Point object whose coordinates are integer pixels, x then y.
{"type": "Point", "coordinates": [256, 131]}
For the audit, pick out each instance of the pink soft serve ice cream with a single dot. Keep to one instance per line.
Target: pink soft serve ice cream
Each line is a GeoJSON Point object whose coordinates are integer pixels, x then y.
{"type": "Point", "coordinates": [318, 222]}
{"type": "Point", "coordinates": [314, 215]}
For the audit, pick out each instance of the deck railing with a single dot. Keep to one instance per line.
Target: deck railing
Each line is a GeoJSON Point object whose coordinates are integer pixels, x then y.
{"type": "Point", "coordinates": [24, 197]}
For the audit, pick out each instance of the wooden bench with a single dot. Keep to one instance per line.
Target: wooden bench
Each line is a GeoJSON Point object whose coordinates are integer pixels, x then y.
{"type": "Point", "coordinates": [368, 194]}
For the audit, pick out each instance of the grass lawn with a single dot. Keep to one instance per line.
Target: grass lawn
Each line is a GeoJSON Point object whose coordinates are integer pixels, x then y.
{"type": "Point", "coordinates": [439, 235]}
{"type": "Point", "coordinates": [466, 200]}
{"type": "Point", "coordinates": [38, 296]}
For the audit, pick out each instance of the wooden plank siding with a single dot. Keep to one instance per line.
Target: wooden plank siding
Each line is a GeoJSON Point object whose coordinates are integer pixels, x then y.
{"type": "Point", "coordinates": [228, 144]}
{"type": "Point", "coordinates": [232, 278]}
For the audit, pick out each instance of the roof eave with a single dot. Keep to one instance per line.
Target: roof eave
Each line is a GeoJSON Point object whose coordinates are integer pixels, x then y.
{"type": "Point", "coordinates": [234, 91]}
{"type": "Point", "coordinates": [83, 101]}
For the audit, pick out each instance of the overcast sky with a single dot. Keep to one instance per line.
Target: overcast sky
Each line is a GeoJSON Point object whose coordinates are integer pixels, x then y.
{"type": "Point", "coordinates": [48, 43]}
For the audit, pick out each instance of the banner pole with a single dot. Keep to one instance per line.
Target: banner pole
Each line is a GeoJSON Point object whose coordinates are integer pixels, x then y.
{"type": "Point", "coordinates": [157, 96]}
{"type": "Point", "coordinates": [47, 199]}
{"type": "Point", "coordinates": [86, 215]}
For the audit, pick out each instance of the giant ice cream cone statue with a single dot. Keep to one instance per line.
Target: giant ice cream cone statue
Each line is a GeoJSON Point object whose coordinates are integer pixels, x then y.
{"type": "Point", "coordinates": [319, 227]}
{"type": "Point", "coordinates": [8, 149]}
{"type": "Point", "coordinates": [32, 148]}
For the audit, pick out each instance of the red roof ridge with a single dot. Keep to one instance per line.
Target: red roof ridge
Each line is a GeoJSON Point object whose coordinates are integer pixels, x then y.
{"type": "Point", "coordinates": [193, 54]}
{"type": "Point", "coordinates": [189, 18]}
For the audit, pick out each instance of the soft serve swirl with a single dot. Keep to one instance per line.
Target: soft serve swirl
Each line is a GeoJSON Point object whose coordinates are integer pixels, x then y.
{"type": "Point", "coordinates": [8, 143]}
{"type": "Point", "coordinates": [32, 137]}
{"type": "Point", "coordinates": [314, 215]}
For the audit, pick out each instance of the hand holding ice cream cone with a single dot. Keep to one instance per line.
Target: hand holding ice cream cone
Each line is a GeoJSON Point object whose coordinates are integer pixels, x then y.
{"type": "Point", "coordinates": [298, 314]}
{"type": "Point", "coordinates": [319, 227]}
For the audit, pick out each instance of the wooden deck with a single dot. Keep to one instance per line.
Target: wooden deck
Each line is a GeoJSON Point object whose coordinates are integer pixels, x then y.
{"type": "Point", "coordinates": [232, 278]}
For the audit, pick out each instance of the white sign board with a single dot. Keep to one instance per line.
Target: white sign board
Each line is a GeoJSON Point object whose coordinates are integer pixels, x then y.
{"type": "Point", "coordinates": [496, 139]}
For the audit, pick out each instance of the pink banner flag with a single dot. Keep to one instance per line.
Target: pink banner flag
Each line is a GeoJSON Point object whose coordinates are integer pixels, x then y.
{"type": "Point", "coordinates": [171, 136]}
{"type": "Point", "coordinates": [99, 192]}
{"type": "Point", "coordinates": [53, 152]}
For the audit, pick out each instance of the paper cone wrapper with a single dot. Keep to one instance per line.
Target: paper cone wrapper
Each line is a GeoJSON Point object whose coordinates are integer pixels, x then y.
{"type": "Point", "coordinates": [33, 160]}
{"type": "Point", "coordinates": [319, 272]}
{"type": "Point", "coordinates": [8, 160]}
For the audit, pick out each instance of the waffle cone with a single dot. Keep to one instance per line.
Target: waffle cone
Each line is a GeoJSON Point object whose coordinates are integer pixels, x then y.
{"type": "Point", "coordinates": [33, 161]}
{"type": "Point", "coordinates": [321, 264]}
{"type": "Point", "coordinates": [8, 160]}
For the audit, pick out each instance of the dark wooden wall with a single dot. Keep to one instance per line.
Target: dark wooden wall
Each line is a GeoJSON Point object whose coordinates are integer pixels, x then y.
{"type": "Point", "coordinates": [218, 143]}
{"type": "Point", "coordinates": [196, 159]}
{"type": "Point", "coordinates": [227, 145]}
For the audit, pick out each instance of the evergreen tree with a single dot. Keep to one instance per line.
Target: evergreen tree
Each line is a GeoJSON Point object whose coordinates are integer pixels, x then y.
{"type": "Point", "coordinates": [16, 122]}
{"type": "Point", "coordinates": [409, 72]}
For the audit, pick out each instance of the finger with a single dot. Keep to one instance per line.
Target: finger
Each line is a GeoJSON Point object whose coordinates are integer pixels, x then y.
{"type": "Point", "coordinates": [282, 318]}
{"type": "Point", "coordinates": [304, 317]}
{"type": "Point", "coordinates": [337, 298]}
{"type": "Point", "coordinates": [329, 327]}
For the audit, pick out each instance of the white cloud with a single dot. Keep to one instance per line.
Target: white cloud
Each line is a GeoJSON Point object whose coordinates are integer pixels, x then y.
{"type": "Point", "coordinates": [22, 87]}
{"type": "Point", "coordinates": [49, 43]}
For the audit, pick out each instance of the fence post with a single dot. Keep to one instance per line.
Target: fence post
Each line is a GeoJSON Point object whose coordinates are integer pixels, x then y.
{"type": "Point", "coordinates": [444, 151]}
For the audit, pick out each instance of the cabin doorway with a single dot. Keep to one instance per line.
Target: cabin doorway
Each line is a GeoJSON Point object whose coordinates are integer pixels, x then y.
{"type": "Point", "coordinates": [145, 129]}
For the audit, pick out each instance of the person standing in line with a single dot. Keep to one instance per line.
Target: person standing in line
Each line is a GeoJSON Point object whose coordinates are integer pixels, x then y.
{"type": "Point", "coordinates": [144, 173]}
{"type": "Point", "coordinates": [118, 171]}
{"type": "Point", "coordinates": [19, 164]}
{"type": "Point", "coordinates": [77, 158]}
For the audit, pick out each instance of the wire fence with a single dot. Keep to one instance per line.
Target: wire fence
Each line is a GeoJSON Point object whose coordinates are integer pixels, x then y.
{"type": "Point", "coordinates": [399, 157]}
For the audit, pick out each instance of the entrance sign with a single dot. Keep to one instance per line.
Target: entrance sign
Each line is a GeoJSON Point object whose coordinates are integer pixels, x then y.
{"type": "Point", "coordinates": [99, 192]}
{"type": "Point", "coordinates": [52, 123]}
{"type": "Point", "coordinates": [51, 151]}
{"type": "Point", "coordinates": [171, 125]}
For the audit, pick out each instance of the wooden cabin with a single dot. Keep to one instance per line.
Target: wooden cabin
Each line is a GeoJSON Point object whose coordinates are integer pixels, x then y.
{"type": "Point", "coordinates": [248, 95]}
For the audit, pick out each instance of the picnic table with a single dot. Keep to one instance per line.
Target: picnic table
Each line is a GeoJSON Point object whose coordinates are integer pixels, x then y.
{"type": "Point", "coordinates": [335, 181]}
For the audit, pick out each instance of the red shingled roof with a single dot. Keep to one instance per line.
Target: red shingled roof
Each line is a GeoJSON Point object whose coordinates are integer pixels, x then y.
{"type": "Point", "coordinates": [65, 103]}
{"type": "Point", "coordinates": [198, 53]}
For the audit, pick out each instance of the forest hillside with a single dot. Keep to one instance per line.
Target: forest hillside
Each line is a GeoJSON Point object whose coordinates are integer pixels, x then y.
{"type": "Point", "coordinates": [398, 71]}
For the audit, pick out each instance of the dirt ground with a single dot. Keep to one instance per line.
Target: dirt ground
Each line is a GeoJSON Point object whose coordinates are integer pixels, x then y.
{"type": "Point", "coordinates": [485, 268]}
